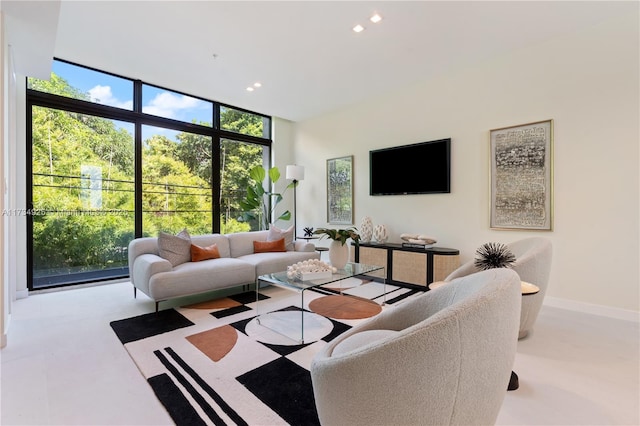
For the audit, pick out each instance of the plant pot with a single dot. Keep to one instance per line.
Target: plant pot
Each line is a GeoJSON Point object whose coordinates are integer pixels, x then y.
{"type": "Point", "coordinates": [338, 254]}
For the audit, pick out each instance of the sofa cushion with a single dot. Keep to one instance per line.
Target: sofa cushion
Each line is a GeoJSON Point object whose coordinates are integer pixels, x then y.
{"type": "Point", "coordinates": [207, 240]}
{"type": "Point", "coordinates": [276, 233]}
{"type": "Point", "coordinates": [199, 277]}
{"type": "Point", "coordinates": [204, 253]}
{"type": "Point", "coordinates": [241, 243]}
{"type": "Point", "coordinates": [269, 246]}
{"type": "Point", "coordinates": [175, 248]}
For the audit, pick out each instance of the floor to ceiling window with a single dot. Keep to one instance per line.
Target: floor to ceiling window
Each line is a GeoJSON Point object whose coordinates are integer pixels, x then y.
{"type": "Point", "coordinates": [176, 182]}
{"type": "Point", "coordinates": [82, 196]}
{"type": "Point", "coordinates": [112, 159]}
{"type": "Point", "coordinates": [236, 158]}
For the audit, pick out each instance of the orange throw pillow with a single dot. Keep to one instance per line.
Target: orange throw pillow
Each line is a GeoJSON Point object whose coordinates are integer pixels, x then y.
{"type": "Point", "coordinates": [203, 253]}
{"type": "Point", "coordinates": [269, 246]}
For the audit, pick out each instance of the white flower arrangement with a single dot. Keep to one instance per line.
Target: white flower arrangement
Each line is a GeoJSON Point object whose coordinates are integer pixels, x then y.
{"type": "Point", "coordinates": [310, 268]}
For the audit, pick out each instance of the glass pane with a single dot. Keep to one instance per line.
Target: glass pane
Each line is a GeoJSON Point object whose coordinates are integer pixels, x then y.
{"type": "Point", "coordinates": [83, 196]}
{"type": "Point", "coordinates": [176, 182]}
{"type": "Point", "coordinates": [245, 122]}
{"type": "Point", "coordinates": [236, 159]}
{"type": "Point", "coordinates": [168, 104]}
{"type": "Point", "coordinates": [81, 83]}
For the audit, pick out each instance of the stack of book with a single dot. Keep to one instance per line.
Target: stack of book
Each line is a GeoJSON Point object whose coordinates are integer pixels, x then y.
{"type": "Point", "coordinates": [417, 245]}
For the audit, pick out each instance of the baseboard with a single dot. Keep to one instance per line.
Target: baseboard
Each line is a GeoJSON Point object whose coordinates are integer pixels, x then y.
{"type": "Point", "coordinates": [22, 294]}
{"type": "Point", "coordinates": [79, 286]}
{"type": "Point", "coordinates": [590, 308]}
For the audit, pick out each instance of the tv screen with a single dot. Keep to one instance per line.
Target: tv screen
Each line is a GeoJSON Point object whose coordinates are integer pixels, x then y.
{"type": "Point", "coordinates": [421, 168]}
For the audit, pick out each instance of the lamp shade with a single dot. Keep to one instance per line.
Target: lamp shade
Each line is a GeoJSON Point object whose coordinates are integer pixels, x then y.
{"type": "Point", "coordinates": [295, 172]}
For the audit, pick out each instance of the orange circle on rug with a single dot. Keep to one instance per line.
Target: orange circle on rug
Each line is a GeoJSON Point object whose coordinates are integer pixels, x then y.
{"type": "Point", "coordinates": [344, 307]}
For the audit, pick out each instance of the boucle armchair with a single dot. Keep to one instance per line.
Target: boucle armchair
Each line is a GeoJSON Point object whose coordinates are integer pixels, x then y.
{"type": "Point", "coordinates": [533, 264]}
{"type": "Point", "coordinates": [444, 357]}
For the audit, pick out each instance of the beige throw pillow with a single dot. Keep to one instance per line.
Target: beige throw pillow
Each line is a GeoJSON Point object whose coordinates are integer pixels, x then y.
{"type": "Point", "coordinates": [175, 248]}
{"type": "Point", "coordinates": [276, 233]}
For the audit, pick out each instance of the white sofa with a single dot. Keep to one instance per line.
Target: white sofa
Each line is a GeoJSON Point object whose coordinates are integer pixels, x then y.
{"type": "Point", "coordinates": [238, 265]}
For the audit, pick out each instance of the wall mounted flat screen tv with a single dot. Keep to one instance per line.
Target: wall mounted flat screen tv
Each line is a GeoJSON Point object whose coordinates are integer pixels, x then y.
{"type": "Point", "coordinates": [421, 168]}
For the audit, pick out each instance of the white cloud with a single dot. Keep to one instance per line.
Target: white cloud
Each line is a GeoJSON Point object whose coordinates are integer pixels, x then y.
{"type": "Point", "coordinates": [102, 95]}
{"type": "Point", "coordinates": [169, 105]}
{"type": "Point", "coordinates": [164, 104]}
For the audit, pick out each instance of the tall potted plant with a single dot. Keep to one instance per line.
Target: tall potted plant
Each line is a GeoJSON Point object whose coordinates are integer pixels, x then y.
{"type": "Point", "coordinates": [259, 204]}
{"type": "Point", "coordinates": [338, 249]}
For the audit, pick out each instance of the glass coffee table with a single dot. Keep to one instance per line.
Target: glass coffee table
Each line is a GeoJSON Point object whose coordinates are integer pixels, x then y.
{"type": "Point", "coordinates": [282, 323]}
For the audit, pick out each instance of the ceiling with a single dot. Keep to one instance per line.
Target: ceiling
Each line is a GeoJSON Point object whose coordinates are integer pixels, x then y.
{"type": "Point", "coordinates": [304, 53]}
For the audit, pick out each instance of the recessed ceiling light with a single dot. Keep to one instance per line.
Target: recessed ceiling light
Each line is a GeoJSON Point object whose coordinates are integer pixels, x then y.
{"type": "Point", "coordinates": [257, 84]}
{"type": "Point", "coordinates": [375, 18]}
{"type": "Point", "coordinates": [249, 89]}
{"type": "Point", "coordinates": [358, 28]}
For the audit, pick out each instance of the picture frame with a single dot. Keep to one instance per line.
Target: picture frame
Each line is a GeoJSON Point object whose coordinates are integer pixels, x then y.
{"type": "Point", "coordinates": [522, 176]}
{"type": "Point", "coordinates": [340, 190]}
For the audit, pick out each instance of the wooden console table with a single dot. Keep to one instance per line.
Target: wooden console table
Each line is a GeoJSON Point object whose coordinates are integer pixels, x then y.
{"type": "Point", "coordinates": [407, 266]}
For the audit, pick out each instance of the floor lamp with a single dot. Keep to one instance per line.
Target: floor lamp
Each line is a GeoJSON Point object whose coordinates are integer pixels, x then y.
{"type": "Point", "coordinates": [295, 173]}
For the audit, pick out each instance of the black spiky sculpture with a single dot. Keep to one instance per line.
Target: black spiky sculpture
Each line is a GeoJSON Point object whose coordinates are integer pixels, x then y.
{"type": "Point", "coordinates": [493, 255]}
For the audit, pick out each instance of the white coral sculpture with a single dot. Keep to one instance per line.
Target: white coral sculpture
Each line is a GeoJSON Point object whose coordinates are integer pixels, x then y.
{"type": "Point", "coordinates": [309, 266]}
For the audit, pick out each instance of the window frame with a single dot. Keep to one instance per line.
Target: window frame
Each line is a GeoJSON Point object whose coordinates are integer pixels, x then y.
{"type": "Point", "coordinates": [35, 98]}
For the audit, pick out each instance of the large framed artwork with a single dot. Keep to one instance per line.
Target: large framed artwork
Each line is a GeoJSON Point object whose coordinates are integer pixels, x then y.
{"type": "Point", "coordinates": [522, 176]}
{"type": "Point", "coordinates": [340, 190]}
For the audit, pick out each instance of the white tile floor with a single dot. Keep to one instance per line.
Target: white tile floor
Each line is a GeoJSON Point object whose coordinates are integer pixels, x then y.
{"type": "Point", "coordinates": [64, 366]}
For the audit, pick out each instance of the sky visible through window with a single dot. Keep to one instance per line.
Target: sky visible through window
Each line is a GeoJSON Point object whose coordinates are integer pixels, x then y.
{"type": "Point", "coordinates": [118, 92]}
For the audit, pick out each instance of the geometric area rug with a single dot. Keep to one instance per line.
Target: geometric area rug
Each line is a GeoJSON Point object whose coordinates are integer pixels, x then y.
{"type": "Point", "coordinates": [213, 363]}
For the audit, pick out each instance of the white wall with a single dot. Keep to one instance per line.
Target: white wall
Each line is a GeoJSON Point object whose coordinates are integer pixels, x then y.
{"type": "Point", "coordinates": [4, 288]}
{"type": "Point", "coordinates": [283, 155]}
{"type": "Point", "coordinates": [587, 82]}
{"type": "Point", "coordinates": [16, 195]}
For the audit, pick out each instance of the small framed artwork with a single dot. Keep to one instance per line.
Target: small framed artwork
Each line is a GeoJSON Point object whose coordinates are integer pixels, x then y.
{"type": "Point", "coordinates": [340, 190]}
{"type": "Point", "coordinates": [522, 176]}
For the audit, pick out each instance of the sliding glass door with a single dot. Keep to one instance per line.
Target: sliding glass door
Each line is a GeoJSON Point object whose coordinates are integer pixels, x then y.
{"type": "Point", "coordinates": [82, 196]}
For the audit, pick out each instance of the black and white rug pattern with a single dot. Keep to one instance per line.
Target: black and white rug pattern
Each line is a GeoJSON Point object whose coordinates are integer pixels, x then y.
{"type": "Point", "coordinates": [217, 366]}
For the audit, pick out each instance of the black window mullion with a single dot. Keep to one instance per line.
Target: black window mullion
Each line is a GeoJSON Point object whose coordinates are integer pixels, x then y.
{"type": "Point", "coordinates": [137, 96]}
{"type": "Point", "coordinates": [216, 187]}
{"type": "Point", "coordinates": [29, 193]}
{"type": "Point", "coordinates": [137, 170]}
{"type": "Point", "coordinates": [216, 116]}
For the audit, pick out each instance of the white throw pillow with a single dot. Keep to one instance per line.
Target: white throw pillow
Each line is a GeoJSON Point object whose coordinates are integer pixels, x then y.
{"type": "Point", "coordinates": [276, 233]}
{"type": "Point", "coordinates": [175, 248]}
